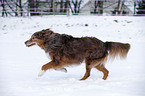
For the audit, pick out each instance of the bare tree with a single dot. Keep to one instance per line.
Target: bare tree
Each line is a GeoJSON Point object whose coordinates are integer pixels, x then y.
{"type": "Point", "coordinates": [64, 5]}
{"type": "Point", "coordinates": [120, 7]}
{"type": "Point", "coordinates": [100, 7]}
{"type": "Point", "coordinates": [95, 6]}
{"type": "Point", "coordinates": [33, 5]}
{"type": "Point", "coordinates": [61, 5]}
{"type": "Point", "coordinates": [75, 6]}
{"type": "Point", "coordinates": [20, 6]}
{"type": "Point", "coordinates": [12, 7]}
{"type": "Point", "coordinates": [4, 12]}
{"type": "Point", "coordinates": [141, 7]}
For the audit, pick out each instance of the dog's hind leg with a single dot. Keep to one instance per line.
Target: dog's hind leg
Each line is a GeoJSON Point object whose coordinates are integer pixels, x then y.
{"type": "Point", "coordinates": [87, 74]}
{"type": "Point", "coordinates": [88, 70]}
{"type": "Point", "coordinates": [102, 68]}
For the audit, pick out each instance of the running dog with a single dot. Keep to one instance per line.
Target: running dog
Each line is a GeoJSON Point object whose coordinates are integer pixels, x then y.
{"type": "Point", "coordinates": [66, 50]}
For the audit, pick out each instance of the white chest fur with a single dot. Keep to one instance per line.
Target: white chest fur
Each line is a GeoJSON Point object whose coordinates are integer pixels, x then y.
{"type": "Point", "coordinates": [48, 56]}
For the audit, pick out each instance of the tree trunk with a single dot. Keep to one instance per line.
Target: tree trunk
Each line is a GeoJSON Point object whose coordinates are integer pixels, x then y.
{"type": "Point", "coordinates": [20, 5]}
{"type": "Point", "coordinates": [33, 4]}
{"type": "Point", "coordinates": [66, 6]}
{"type": "Point", "coordinates": [3, 6]}
{"type": "Point", "coordinates": [77, 5]}
{"type": "Point", "coordinates": [122, 7]}
{"type": "Point", "coordinates": [53, 7]}
{"type": "Point", "coordinates": [95, 6]}
{"type": "Point", "coordinates": [11, 8]}
{"type": "Point", "coordinates": [100, 7]}
{"type": "Point", "coordinates": [61, 6]}
{"type": "Point", "coordinates": [118, 7]}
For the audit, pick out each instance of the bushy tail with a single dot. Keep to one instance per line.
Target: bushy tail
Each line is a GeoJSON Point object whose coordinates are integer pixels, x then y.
{"type": "Point", "coordinates": [116, 49]}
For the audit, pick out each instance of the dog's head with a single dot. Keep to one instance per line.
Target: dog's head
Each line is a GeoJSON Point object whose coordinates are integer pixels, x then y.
{"type": "Point", "coordinates": [38, 37]}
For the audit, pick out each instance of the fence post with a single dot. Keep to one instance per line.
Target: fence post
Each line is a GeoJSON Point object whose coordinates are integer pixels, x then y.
{"type": "Point", "coordinates": [134, 7]}
{"type": "Point", "coordinates": [68, 9]}
{"type": "Point", "coordinates": [53, 7]}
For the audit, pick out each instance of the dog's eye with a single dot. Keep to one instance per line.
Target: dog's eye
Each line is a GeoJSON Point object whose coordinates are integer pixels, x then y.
{"type": "Point", "coordinates": [33, 38]}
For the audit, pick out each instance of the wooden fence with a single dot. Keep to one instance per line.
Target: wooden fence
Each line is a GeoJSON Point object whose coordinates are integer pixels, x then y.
{"type": "Point", "coordinates": [71, 7]}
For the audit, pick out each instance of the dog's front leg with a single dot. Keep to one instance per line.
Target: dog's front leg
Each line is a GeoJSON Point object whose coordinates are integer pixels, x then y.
{"type": "Point", "coordinates": [52, 65]}
{"type": "Point", "coordinates": [46, 67]}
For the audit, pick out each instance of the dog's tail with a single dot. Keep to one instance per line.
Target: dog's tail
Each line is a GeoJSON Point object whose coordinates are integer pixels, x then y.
{"type": "Point", "coordinates": [116, 49]}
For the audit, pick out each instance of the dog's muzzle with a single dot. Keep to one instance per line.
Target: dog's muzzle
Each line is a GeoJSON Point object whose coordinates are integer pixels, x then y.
{"type": "Point", "coordinates": [28, 43]}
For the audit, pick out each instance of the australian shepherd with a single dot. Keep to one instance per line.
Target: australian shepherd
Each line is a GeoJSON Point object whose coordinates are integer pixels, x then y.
{"type": "Point", "coordinates": [65, 50]}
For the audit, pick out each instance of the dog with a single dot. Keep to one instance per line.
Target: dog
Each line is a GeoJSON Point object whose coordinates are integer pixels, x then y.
{"type": "Point", "coordinates": [65, 50]}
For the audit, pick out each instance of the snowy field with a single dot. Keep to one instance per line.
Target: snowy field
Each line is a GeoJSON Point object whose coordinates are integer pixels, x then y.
{"type": "Point", "coordinates": [20, 65]}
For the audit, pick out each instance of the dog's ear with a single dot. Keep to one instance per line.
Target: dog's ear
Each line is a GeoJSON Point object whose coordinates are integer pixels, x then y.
{"type": "Point", "coordinates": [43, 34]}
{"type": "Point", "coordinates": [39, 35]}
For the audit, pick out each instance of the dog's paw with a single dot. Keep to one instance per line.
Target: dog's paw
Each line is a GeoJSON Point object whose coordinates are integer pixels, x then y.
{"type": "Point", "coordinates": [62, 70]}
{"type": "Point", "coordinates": [41, 73]}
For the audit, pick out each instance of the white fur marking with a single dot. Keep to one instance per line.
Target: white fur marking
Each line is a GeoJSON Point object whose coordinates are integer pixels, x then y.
{"type": "Point", "coordinates": [48, 56]}
{"type": "Point", "coordinates": [41, 73]}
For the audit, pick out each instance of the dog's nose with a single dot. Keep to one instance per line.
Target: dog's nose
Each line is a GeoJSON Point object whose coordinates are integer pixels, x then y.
{"type": "Point", "coordinates": [26, 42]}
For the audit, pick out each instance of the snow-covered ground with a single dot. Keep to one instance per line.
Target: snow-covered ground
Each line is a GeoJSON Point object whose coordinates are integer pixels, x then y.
{"type": "Point", "coordinates": [19, 65]}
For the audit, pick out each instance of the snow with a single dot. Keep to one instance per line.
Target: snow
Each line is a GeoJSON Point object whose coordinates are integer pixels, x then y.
{"type": "Point", "coordinates": [20, 65]}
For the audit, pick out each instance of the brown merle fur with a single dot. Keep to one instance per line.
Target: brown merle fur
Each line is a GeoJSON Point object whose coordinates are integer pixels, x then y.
{"type": "Point", "coordinates": [66, 50]}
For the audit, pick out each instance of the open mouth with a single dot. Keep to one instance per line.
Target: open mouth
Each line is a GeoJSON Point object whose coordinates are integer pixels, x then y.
{"type": "Point", "coordinates": [28, 44]}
